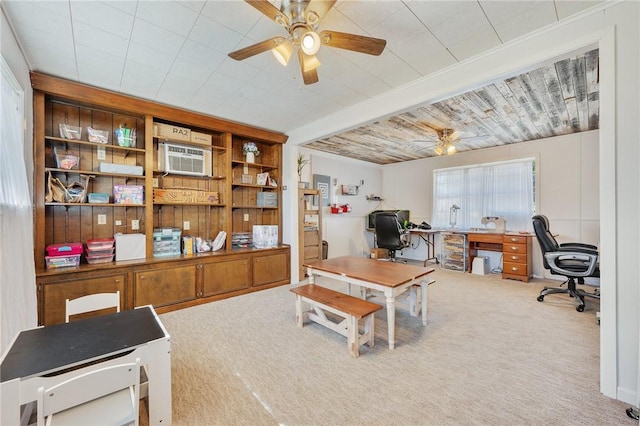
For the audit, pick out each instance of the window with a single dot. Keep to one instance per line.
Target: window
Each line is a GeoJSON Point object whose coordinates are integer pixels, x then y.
{"type": "Point", "coordinates": [496, 189]}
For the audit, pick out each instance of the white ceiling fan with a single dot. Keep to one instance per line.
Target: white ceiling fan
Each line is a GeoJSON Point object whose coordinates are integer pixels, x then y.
{"type": "Point", "coordinates": [447, 139]}
{"type": "Point", "coordinates": [301, 20]}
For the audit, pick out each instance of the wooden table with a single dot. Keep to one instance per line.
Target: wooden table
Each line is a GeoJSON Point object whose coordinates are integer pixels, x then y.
{"type": "Point", "coordinates": [75, 348]}
{"type": "Point", "coordinates": [392, 279]}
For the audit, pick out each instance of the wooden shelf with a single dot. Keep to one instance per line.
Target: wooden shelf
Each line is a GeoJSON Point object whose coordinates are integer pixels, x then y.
{"type": "Point", "coordinates": [91, 172]}
{"type": "Point", "coordinates": [96, 144]}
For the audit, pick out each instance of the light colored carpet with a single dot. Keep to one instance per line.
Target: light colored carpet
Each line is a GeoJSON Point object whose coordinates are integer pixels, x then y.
{"type": "Point", "coordinates": [490, 355]}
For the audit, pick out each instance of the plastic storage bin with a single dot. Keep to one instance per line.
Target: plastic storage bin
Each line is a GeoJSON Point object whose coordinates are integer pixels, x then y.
{"type": "Point", "coordinates": [53, 262]}
{"type": "Point", "coordinates": [65, 249]}
{"type": "Point", "coordinates": [166, 241]}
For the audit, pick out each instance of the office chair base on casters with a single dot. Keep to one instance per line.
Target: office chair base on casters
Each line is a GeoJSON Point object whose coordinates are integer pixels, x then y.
{"type": "Point", "coordinates": [572, 291]}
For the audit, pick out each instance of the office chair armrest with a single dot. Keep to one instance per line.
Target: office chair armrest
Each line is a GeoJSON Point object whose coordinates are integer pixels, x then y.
{"type": "Point", "coordinates": [580, 260]}
{"type": "Point", "coordinates": [579, 245]}
{"type": "Point", "coordinates": [577, 249]}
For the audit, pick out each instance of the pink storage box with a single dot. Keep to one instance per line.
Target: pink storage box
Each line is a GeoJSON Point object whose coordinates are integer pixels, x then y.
{"type": "Point", "coordinates": [65, 249]}
{"type": "Point", "coordinates": [93, 259]}
{"type": "Point", "coordinates": [100, 244]}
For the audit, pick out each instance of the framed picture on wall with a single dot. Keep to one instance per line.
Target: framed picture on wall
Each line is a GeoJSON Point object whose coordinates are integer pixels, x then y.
{"type": "Point", "coordinates": [323, 183]}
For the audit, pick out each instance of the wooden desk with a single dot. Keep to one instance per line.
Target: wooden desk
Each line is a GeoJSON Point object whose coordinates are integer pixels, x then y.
{"type": "Point", "coordinates": [516, 250]}
{"type": "Point", "coordinates": [390, 278]}
{"type": "Point", "coordinates": [83, 345]}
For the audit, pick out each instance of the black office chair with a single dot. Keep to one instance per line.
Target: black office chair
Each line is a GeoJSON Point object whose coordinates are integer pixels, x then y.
{"type": "Point", "coordinates": [576, 261]}
{"type": "Point", "coordinates": [389, 233]}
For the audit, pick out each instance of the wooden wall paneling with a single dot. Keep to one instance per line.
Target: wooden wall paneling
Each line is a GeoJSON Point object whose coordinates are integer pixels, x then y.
{"type": "Point", "coordinates": [593, 95]}
{"type": "Point", "coordinates": [41, 220]}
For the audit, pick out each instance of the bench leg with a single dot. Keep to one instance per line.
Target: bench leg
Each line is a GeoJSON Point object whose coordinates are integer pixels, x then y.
{"type": "Point", "coordinates": [352, 336]}
{"type": "Point", "coordinates": [424, 285]}
{"type": "Point", "coordinates": [369, 331]}
{"type": "Point", "coordinates": [299, 316]}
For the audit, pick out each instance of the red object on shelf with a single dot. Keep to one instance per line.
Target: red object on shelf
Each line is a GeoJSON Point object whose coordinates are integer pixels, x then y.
{"type": "Point", "coordinates": [65, 249]}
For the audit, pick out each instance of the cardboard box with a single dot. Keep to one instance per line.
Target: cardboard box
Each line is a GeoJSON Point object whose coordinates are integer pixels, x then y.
{"type": "Point", "coordinates": [174, 133]}
{"type": "Point", "coordinates": [379, 253]}
{"type": "Point", "coordinates": [201, 138]}
{"type": "Point", "coordinates": [184, 196]}
{"type": "Point", "coordinates": [128, 194]}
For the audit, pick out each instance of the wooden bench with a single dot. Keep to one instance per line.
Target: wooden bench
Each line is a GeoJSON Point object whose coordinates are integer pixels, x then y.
{"type": "Point", "coordinates": [350, 308]}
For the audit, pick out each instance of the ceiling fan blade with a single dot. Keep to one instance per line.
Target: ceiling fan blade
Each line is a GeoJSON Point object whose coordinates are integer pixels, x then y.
{"type": "Point", "coordinates": [308, 67]}
{"type": "Point", "coordinates": [357, 43]}
{"type": "Point", "coordinates": [254, 49]}
{"type": "Point", "coordinates": [320, 7]}
{"type": "Point", "coordinates": [270, 11]}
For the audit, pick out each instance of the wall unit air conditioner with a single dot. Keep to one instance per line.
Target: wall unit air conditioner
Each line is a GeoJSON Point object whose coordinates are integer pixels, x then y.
{"type": "Point", "coordinates": [184, 160]}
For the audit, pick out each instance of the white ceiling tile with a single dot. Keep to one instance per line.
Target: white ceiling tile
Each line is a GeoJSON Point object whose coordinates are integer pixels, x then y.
{"type": "Point", "coordinates": [126, 6]}
{"type": "Point", "coordinates": [158, 60]}
{"type": "Point", "coordinates": [241, 71]}
{"type": "Point", "coordinates": [424, 53]}
{"type": "Point", "coordinates": [513, 19]}
{"type": "Point", "coordinates": [568, 8]}
{"type": "Point", "coordinates": [398, 27]}
{"type": "Point", "coordinates": [388, 67]}
{"type": "Point", "coordinates": [177, 90]}
{"type": "Point", "coordinates": [37, 17]}
{"type": "Point", "coordinates": [203, 56]}
{"type": "Point", "coordinates": [236, 15]}
{"type": "Point", "coordinates": [99, 69]}
{"type": "Point", "coordinates": [157, 38]}
{"type": "Point", "coordinates": [102, 17]}
{"type": "Point", "coordinates": [194, 5]}
{"type": "Point", "coordinates": [468, 21]}
{"type": "Point", "coordinates": [475, 44]}
{"type": "Point", "coordinates": [170, 15]}
{"type": "Point", "coordinates": [86, 35]}
{"type": "Point", "coordinates": [141, 80]}
{"type": "Point", "coordinates": [367, 14]}
{"type": "Point", "coordinates": [62, 47]}
{"type": "Point", "coordinates": [214, 35]}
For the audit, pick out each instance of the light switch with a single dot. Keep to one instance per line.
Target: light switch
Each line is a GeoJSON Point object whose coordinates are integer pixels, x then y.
{"type": "Point", "coordinates": [101, 153]}
{"type": "Point", "coordinates": [246, 217]}
{"type": "Point", "coordinates": [186, 225]}
{"type": "Point", "coordinates": [135, 224]}
{"type": "Point", "coordinates": [102, 219]}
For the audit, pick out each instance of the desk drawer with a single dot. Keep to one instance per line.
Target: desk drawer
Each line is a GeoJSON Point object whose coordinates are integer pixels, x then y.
{"type": "Point", "coordinates": [509, 248]}
{"type": "Point", "coordinates": [515, 258]}
{"type": "Point", "coordinates": [515, 269]}
{"type": "Point", "coordinates": [514, 239]}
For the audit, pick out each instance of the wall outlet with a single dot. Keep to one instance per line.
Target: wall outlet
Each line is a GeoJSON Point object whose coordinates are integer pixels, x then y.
{"type": "Point", "coordinates": [102, 155]}
{"type": "Point", "coordinates": [156, 183]}
{"type": "Point", "coordinates": [246, 217]}
{"type": "Point", "coordinates": [135, 224]}
{"type": "Point", "coordinates": [102, 219]}
{"type": "Point", "coordinates": [186, 225]}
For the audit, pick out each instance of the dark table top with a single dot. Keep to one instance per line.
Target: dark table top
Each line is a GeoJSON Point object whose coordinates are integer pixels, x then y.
{"type": "Point", "coordinates": [48, 349]}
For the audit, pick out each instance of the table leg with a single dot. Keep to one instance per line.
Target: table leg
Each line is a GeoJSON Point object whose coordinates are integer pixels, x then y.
{"type": "Point", "coordinates": [391, 319]}
{"type": "Point", "coordinates": [159, 365]}
{"type": "Point", "coordinates": [424, 285]}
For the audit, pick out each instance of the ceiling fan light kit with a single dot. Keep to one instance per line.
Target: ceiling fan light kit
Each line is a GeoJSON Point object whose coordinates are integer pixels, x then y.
{"type": "Point", "coordinates": [301, 19]}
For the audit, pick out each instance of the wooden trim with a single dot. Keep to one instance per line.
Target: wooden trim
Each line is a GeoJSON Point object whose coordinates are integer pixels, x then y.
{"type": "Point", "coordinates": [100, 97]}
{"type": "Point", "coordinates": [39, 179]}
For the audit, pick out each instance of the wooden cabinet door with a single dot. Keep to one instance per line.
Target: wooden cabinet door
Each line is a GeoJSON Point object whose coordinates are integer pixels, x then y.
{"type": "Point", "coordinates": [225, 276]}
{"type": "Point", "coordinates": [54, 295]}
{"type": "Point", "coordinates": [161, 287]}
{"type": "Point", "coordinates": [270, 268]}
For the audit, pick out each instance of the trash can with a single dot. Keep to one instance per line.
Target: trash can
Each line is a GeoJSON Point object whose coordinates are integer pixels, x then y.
{"type": "Point", "coordinates": [325, 249]}
{"type": "Point", "coordinates": [480, 265]}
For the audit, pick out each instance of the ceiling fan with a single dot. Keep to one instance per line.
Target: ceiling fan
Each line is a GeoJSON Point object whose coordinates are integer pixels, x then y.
{"type": "Point", "coordinates": [301, 20]}
{"type": "Point", "coordinates": [447, 140]}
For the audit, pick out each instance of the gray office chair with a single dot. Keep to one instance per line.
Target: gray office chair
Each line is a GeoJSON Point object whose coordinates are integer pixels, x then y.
{"type": "Point", "coordinates": [389, 233]}
{"type": "Point", "coordinates": [575, 261]}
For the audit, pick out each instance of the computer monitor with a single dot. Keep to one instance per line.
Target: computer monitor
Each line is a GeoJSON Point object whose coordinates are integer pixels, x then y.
{"type": "Point", "coordinates": [403, 215]}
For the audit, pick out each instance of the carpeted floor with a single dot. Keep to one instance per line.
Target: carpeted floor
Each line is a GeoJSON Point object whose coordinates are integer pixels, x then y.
{"type": "Point", "coordinates": [490, 355]}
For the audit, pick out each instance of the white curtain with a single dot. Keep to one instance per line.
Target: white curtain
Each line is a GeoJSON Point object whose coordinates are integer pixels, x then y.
{"type": "Point", "coordinates": [17, 272]}
{"type": "Point", "coordinates": [498, 189]}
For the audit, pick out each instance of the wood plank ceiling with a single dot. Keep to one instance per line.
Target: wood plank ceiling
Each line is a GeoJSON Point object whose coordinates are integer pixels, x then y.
{"type": "Point", "coordinates": [556, 99]}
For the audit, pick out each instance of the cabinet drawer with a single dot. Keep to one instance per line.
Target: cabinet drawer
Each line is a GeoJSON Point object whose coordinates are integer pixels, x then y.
{"type": "Point", "coordinates": [515, 239]}
{"type": "Point", "coordinates": [509, 248]}
{"type": "Point", "coordinates": [223, 277]}
{"type": "Point", "coordinates": [161, 287]}
{"type": "Point", "coordinates": [270, 269]}
{"type": "Point", "coordinates": [515, 258]}
{"type": "Point", "coordinates": [54, 295]}
{"type": "Point", "coordinates": [514, 269]}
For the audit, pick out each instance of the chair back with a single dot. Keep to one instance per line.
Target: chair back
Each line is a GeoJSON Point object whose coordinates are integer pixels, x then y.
{"type": "Point", "coordinates": [92, 302]}
{"type": "Point", "coordinates": [97, 389]}
{"type": "Point", "coordinates": [544, 237]}
{"type": "Point", "coordinates": [388, 231]}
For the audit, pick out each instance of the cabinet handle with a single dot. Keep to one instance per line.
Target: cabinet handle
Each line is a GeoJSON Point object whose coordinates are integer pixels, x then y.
{"type": "Point", "coordinates": [142, 277]}
{"type": "Point", "coordinates": [514, 257]}
{"type": "Point", "coordinates": [514, 248]}
{"type": "Point", "coordinates": [117, 280]}
{"type": "Point", "coordinates": [513, 240]}
{"type": "Point", "coordinates": [514, 268]}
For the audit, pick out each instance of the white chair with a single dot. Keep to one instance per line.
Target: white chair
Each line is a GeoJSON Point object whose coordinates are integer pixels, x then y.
{"type": "Point", "coordinates": [92, 302]}
{"type": "Point", "coordinates": [106, 396]}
